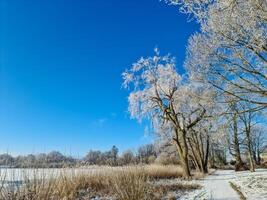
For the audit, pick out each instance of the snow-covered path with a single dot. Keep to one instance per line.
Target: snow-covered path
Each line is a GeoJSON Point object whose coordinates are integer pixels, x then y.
{"type": "Point", "coordinates": [217, 186]}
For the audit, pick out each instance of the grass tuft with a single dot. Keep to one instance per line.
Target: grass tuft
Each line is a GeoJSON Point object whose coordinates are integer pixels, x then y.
{"type": "Point", "coordinates": [237, 189]}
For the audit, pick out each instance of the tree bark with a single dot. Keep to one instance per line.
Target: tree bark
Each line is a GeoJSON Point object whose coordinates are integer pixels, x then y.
{"type": "Point", "coordinates": [251, 162]}
{"type": "Point", "coordinates": [197, 152]}
{"type": "Point", "coordinates": [183, 154]}
{"type": "Point", "coordinates": [239, 163]}
{"type": "Point", "coordinates": [258, 157]}
{"type": "Point", "coordinates": [207, 155]}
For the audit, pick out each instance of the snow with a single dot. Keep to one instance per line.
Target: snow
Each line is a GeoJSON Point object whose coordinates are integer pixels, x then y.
{"type": "Point", "coordinates": [217, 186]}
{"type": "Point", "coordinates": [252, 185]}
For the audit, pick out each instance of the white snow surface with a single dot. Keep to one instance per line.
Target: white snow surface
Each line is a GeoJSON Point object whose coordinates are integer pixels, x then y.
{"type": "Point", "coordinates": [252, 185]}
{"type": "Point", "coordinates": [217, 186]}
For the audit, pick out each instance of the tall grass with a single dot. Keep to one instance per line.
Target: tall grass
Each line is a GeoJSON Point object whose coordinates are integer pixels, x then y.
{"type": "Point", "coordinates": [163, 171]}
{"type": "Point", "coordinates": [120, 183]}
{"type": "Point", "coordinates": [130, 185]}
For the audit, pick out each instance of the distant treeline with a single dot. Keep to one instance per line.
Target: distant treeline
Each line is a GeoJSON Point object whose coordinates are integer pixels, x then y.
{"type": "Point", "coordinates": [144, 155]}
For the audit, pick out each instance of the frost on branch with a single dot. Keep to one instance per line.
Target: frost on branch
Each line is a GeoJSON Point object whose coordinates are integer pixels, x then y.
{"type": "Point", "coordinates": [151, 78]}
{"type": "Point", "coordinates": [230, 51]}
{"type": "Point", "coordinates": [173, 103]}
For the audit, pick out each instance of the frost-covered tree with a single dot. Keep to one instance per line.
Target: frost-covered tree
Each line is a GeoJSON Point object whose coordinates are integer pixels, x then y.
{"type": "Point", "coordinates": [168, 99]}
{"type": "Point", "coordinates": [247, 120]}
{"type": "Point", "coordinates": [230, 51]}
{"type": "Point", "coordinates": [259, 142]}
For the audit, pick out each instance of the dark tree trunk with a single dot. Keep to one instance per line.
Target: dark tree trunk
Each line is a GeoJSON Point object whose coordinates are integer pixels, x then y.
{"type": "Point", "coordinates": [207, 155]}
{"type": "Point", "coordinates": [258, 157]}
{"type": "Point", "coordinates": [239, 165]}
{"type": "Point", "coordinates": [183, 154]}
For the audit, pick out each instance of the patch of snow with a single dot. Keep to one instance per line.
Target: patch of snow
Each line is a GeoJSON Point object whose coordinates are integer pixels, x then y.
{"type": "Point", "coordinates": [215, 187]}
{"type": "Point", "coordinates": [252, 185]}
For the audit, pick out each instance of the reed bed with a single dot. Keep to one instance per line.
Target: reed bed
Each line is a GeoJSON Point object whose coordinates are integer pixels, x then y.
{"type": "Point", "coordinates": [116, 183]}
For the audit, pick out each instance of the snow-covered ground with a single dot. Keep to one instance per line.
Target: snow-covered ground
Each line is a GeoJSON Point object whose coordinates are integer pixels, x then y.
{"type": "Point", "coordinates": [217, 186]}
{"type": "Point", "coordinates": [252, 185]}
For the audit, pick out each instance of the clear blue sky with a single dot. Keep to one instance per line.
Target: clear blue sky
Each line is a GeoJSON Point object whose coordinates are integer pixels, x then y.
{"type": "Point", "coordinates": [61, 63]}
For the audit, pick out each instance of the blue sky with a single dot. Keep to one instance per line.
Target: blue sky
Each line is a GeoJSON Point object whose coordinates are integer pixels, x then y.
{"type": "Point", "coordinates": [61, 63]}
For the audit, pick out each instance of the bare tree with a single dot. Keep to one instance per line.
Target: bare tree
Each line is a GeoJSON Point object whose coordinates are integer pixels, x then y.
{"type": "Point", "coordinates": [247, 120]}
{"type": "Point", "coordinates": [114, 155]}
{"type": "Point", "coordinates": [199, 142]}
{"type": "Point", "coordinates": [93, 157]}
{"type": "Point", "coordinates": [233, 133]}
{"type": "Point", "coordinates": [127, 158]}
{"type": "Point", "coordinates": [259, 140]}
{"type": "Point", "coordinates": [172, 103]}
{"type": "Point", "coordinates": [146, 153]}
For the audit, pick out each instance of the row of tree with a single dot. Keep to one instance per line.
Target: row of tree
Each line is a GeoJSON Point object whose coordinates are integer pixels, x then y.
{"type": "Point", "coordinates": [221, 99]}
{"type": "Point", "coordinates": [53, 159]}
{"type": "Point", "coordinates": [145, 154]}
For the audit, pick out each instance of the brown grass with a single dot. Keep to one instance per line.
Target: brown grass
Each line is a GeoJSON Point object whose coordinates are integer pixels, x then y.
{"type": "Point", "coordinates": [237, 189]}
{"type": "Point", "coordinates": [121, 183]}
{"type": "Point", "coordinates": [163, 171]}
{"type": "Point", "coordinates": [177, 186]}
{"type": "Point", "coordinates": [130, 185]}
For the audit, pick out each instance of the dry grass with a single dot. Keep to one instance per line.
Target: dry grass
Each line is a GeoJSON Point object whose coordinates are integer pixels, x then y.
{"type": "Point", "coordinates": [237, 189]}
{"type": "Point", "coordinates": [131, 185]}
{"type": "Point", "coordinates": [177, 186]}
{"type": "Point", "coordinates": [121, 183]}
{"type": "Point", "coordinates": [163, 171]}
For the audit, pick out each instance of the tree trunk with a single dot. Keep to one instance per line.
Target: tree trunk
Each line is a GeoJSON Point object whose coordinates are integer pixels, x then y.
{"type": "Point", "coordinates": [255, 156]}
{"type": "Point", "coordinates": [187, 173]}
{"type": "Point", "coordinates": [239, 163]}
{"type": "Point", "coordinates": [197, 152]}
{"type": "Point", "coordinates": [207, 155]}
{"type": "Point", "coordinates": [258, 157]}
{"type": "Point", "coordinates": [183, 154]}
{"type": "Point", "coordinates": [212, 157]}
{"type": "Point", "coordinates": [185, 165]}
{"type": "Point", "coordinates": [251, 163]}
{"type": "Point", "coordinates": [194, 156]}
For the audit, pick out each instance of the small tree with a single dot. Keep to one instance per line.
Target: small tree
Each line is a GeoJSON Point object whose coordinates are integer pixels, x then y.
{"type": "Point", "coordinates": [259, 141]}
{"type": "Point", "coordinates": [127, 158]}
{"type": "Point", "coordinates": [93, 157]}
{"type": "Point", "coordinates": [146, 153]}
{"type": "Point", "coordinates": [114, 155]}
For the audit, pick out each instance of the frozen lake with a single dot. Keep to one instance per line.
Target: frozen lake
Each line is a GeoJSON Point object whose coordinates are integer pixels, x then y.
{"type": "Point", "coordinates": [20, 174]}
